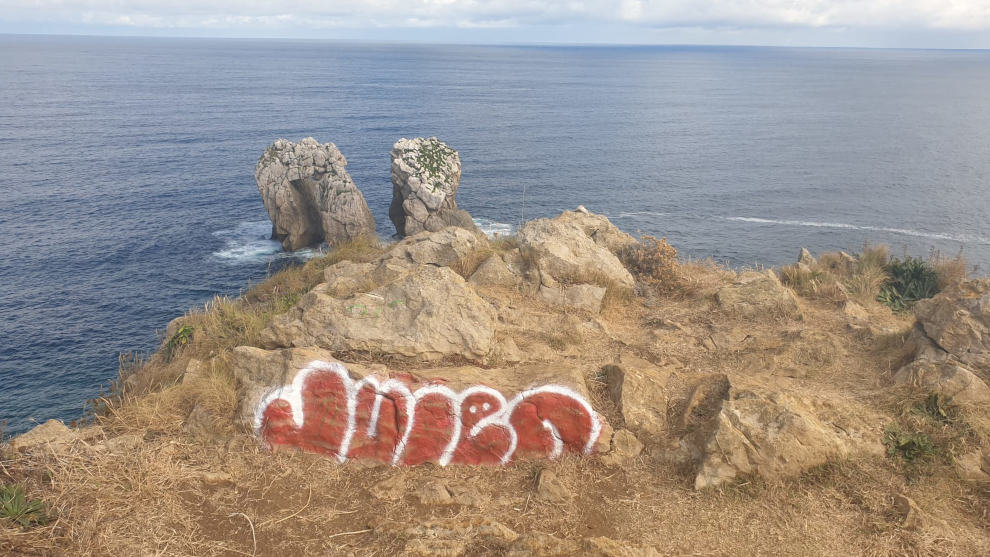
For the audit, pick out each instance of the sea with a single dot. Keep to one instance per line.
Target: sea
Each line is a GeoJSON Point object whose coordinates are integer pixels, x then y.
{"type": "Point", "coordinates": [126, 164]}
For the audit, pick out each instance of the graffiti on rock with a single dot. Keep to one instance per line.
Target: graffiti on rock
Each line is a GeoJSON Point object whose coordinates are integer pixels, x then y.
{"type": "Point", "coordinates": [326, 411]}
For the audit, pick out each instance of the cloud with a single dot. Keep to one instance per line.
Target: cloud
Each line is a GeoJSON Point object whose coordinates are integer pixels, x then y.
{"type": "Point", "coordinates": [963, 15]}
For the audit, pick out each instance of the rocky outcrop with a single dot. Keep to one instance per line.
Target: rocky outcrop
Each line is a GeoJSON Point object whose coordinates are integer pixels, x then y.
{"type": "Point", "coordinates": [950, 344]}
{"type": "Point", "coordinates": [570, 249]}
{"type": "Point", "coordinates": [425, 176]}
{"type": "Point", "coordinates": [775, 435]}
{"type": "Point", "coordinates": [758, 294]}
{"type": "Point", "coordinates": [958, 322]}
{"type": "Point", "coordinates": [309, 196]}
{"type": "Point", "coordinates": [426, 312]}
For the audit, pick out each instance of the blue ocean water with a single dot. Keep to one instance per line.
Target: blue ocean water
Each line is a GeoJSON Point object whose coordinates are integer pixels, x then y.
{"type": "Point", "coordinates": [126, 164]}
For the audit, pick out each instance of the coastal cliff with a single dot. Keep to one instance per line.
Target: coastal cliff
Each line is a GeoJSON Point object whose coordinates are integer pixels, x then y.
{"type": "Point", "coordinates": [567, 390]}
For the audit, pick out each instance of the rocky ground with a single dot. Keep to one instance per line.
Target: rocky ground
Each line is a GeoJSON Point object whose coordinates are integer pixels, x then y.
{"type": "Point", "coordinates": [738, 417]}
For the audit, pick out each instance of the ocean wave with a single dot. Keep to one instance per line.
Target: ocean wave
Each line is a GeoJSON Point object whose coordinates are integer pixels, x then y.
{"type": "Point", "coordinates": [964, 238]}
{"type": "Point", "coordinates": [251, 243]}
{"type": "Point", "coordinates": [493, 228]}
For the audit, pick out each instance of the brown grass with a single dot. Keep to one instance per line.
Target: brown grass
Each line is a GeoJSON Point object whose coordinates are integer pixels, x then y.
{"type": "Point", "coordinates": [179, 492]}
{"type": "Point", "coordinates": [469, 263]}
{"type": "Point", "coordinates": [951, 271]}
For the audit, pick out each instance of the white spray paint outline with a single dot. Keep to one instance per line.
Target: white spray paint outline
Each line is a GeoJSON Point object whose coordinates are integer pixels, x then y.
{"type": "Point", "coordinates": [292, 393]}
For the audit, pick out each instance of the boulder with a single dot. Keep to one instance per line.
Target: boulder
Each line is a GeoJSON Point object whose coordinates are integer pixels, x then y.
{"type": "Point", "coordinates": [309, 196]}
{"type": "Point", "coordinates": [934, 369]}
{"type": "Point", "coordinates": [598, 228]}
{"type": "Point", "coordinates": [958, 322]}
{"type": "Point", "coordinates": [495, 272]}
{"type": "Point", "coordinates": [563, 251]}
{"type": "Point", "coordinates": [428, 313]}
{"type": "Point", "coordinates": [758, 294]}
{"type": "Point", "coordinates": [442, 248]}
{"type": "Point", "coordinates": [459, 415]}
{"type": "Point", "coordinates": [946, 378]}
{"type": "Point", "coordinates": [805, 258]}
{"type": "Point", "coordinates": [912, 518]}
{"type": "Point", "coordinates": [625, 448]}
{"type": "Point", "coordinates": [425, 176]}
{"type": "Point", "coordinates": [637, 388]}
{"type": "Point", "coordinates": [51, 434]}
{"type": "Point", "coordinates": [777, 436]}
{"type": "Point", "coordinates": [587, 297]}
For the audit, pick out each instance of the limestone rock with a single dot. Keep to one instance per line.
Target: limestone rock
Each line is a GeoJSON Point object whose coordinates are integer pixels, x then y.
{"type": "Point", "coordinates": [625, 447]}
{"type": "Point", "coordinates": [974, 466]}
{"type": "Point", "coordinates": [637, 387]}
{"type": "Point", "coordinates": [958, 321]}
{"type": "Point", "coordinates": [562, 250]}
{"type": "Point", "coordinates": [258, 371]}
{"type": "Point", "coordinates": [598, 228]}
{"type": "Point", "coordinates": [196, 370]}
{"type": "Point", "coordinates": [587, 297]}
{"type": "Point", "coordinates": [911, 516]}
{"type": "Point", "coordinates": [309, 195]}
{"type": "Point", "coordinates": [427, 314]}
{"type": "Point", "coordinates": [51, 434]}
{"type": "Point", "coordinates": [425, 176]}
{"type": "Point", "coordinates": [758, 294]}
{"type": "Point", "coordinates": [806, 258]}
{"type": "Point", "coordinates": [443, 247]}
{"type": "Point", "coordinates": [946, 378]}
{"type": "Point", "coordinates": [776, 436]}
{"type": "Point", "coordinates": [495, 272]}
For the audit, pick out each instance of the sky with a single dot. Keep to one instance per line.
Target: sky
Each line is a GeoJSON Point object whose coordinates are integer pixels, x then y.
{"type": "Point", "coordinates": [855, 23]}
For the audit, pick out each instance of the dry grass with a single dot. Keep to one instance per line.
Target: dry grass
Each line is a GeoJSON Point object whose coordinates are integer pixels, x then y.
{"type": "Point", "coordinates": [835, 278]}
{"type": "Point", "coordinates": [181, 492]}
{"type": "Point", "coordinates": [951, 271]}
{"type": "Point", "coordinates": [469, 263]}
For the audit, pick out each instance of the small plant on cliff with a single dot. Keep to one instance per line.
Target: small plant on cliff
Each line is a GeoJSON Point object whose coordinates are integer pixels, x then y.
{"type": "Point", "coordinates": [15, 506]}
{"type": "Point", "coordinates": [180, 338]}
{"type": "Point", "coordinates": [911, 279]}
{"type": "Point", "coordinates": [654, 262]}
{"type": "Point", "coordinates": [911, 446]}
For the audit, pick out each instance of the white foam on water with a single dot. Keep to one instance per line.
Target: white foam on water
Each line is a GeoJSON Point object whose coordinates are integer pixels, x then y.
{"type": "Point", "coordinates": [964, 238]}
{"type": "Point", "coordinates": [250, 242]}
{"type": "Point", "coordinates": [493, 228]}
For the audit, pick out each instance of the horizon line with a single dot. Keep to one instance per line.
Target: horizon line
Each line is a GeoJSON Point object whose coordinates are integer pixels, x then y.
{"type": "Point", "coordinates": [481, 44]}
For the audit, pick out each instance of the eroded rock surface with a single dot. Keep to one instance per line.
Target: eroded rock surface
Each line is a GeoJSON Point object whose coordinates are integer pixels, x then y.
{"type": "Point", "coordinates": [565, 250]}
{"type": "Point", "coordinates": [758, 294]}
{"type": "Point", "coordinates": [309, 195]}
{"type": "Point", "coordinates": [427, 313]}
{"type": "Point", "coordinates": [775, 435]}
{"type": "Point", "coordinates": [426, 173]}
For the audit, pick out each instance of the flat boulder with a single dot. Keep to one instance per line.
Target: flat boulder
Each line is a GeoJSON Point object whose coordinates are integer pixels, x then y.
{"type": "Point", "coordinates": [775, 435]}
{"type": "Point", "coordinates": [448, 415]}
{"type": "Point", "coordinates": [564, 251]}
{"type": "Point", "coordinates": [309, 195]}
{"type": "Point", "coordinates": [958, 321]}
{"type": "Point", "coordinates": [758, 294]}
{"type": "Point", "coordinates": [426, 173]}
{"type": "Point", "coordinates": [426, 312]}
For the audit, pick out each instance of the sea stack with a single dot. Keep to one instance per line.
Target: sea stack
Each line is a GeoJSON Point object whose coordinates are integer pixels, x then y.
{"type": "Point", "coordinates": [309, 195]}
{"type": "Point", "coordinates": [425, 176]}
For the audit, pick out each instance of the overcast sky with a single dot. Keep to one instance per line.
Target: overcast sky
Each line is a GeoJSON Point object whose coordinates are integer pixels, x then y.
{"type": "Point", "coordinates": [874, 23]}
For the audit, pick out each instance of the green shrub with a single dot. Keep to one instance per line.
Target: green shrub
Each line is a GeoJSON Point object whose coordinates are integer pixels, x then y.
{"type": "Point", "coordinates": [911, 446]}
{"type": "Point", "coordinates": [15, 506]}
{"type": "Point", "coordinates": [911, 279]}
